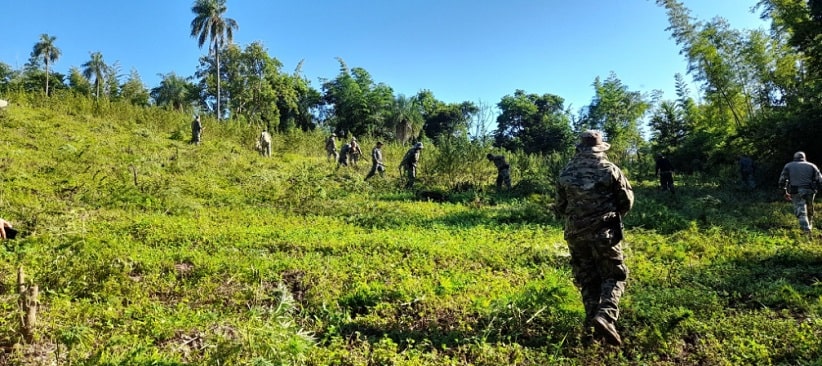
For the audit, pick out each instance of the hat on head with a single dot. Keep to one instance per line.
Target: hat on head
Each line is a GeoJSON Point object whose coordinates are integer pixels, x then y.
{"type": "Point", "coordinates": [799, 156]}
{"type": "Point", "coordinates": [593, 139]}
{"type": "Point", "coordinates": [333, 134]}
{"type": "Point", "coordinates": [379, 142]}
{"type": "Point", "coordinates": [418, 145]}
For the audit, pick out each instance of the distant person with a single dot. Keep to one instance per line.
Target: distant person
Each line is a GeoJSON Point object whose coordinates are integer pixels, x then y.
{"type": "Point", "coordinates": [800, 179]}
{"type": "Point", "coordinates": [331, 147]}
{"type": "Point", "coordinates": [746, 171]}
{"type": "Point", "coordinates": [265, 143]}
{"type": "Point", "coordinates": [503, 170]}
{"type": "Point", "coordinates": [3, 226]}
{"type": "Point", "coordinates": [376, 161]}
{"type": "Point", "coordinates": [592, 196]}
{"type": "Point", "coordinates": [409, 163]}
{"type": "Point", "coordinates": [196, 130]}
{"type": "Point", "coordinates": [355, 152]}
{"type": "Point", "coordinates": [342, 160]}
{"type": "Point", "coordinates": [665, 171]}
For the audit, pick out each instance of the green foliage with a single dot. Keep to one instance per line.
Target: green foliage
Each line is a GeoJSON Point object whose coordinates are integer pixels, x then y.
{"type": "Point", "coordinates": [148, 250]}
{"type": "Point", "coordinates": [533, 123]}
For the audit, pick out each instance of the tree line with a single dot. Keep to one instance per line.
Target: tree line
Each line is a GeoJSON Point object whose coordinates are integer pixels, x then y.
{"type": "Point", "coordinates": [759, 93]}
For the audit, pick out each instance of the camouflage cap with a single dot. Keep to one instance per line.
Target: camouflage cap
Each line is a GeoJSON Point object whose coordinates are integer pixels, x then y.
{"type": "Point", "coordinates": [593, 139]}
{"type": "Point", "coordinates": [799, 156]}
{"type": "Point", "coordinates": [418, 145]}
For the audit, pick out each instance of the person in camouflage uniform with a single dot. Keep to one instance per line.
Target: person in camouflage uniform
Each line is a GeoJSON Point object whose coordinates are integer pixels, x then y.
{"type": "Point", "coordinates": [803, 178]}
{"type": "Point", "coordinates": [331, 147]}
{"type": "Point", "coordinates": [592, 196]}
{"type": "Point", "coordinates": [376, 161]}
{"type": "Point", "coordinates": [196, 130]}
{"type": "Point", "coordinates": [503, 170]}
{"type": "Point", "coordinates": [355, 152]}
{"type": "Point", "coordinates": [746, 171]}
{"type": "Point", "coordinates": [409, 163]}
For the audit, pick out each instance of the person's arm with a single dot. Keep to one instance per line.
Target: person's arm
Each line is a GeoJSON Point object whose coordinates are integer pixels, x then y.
{"type": "Point", "coordinates": [3, 225]}
{"type": "Point", "coordinates": [784, 178]}
{"type": "Point", "coordinates": [624, 194]}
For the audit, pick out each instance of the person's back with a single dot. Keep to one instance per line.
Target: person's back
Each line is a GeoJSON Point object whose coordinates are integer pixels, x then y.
{"type": "Point", "coordinates": [343, 158]}
{"type": "Point", "coordinates": [800, 179]}
{"type": "Point", "coordinates": [592, 196]}
{"type": "Point", "coordinates": [590, 183]}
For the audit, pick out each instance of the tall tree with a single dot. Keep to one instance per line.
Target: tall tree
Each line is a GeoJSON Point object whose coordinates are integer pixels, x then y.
{"type": "Point", "coordinates": [174, 91]}
{"type": "Point", "coordinates": [616, 111]}
{"type": "Point", "coordinates": [78, 82]}
{"type": "Point", "coordinates": [533, 123]}
{"type": "Point", "coordinates": [134, 91]}
{"type": "Point", "coordinates": [46, 50]}
{"type": "Point", "coordinates": [97, 68]}
{"type": "Point", "coordinates": [210, 24]}
{"type": "Point", "coordinates": [359, 105]}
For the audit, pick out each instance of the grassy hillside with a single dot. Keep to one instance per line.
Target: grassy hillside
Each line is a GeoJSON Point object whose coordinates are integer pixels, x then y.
{"type": "Point", "coordinates": [148, 250]}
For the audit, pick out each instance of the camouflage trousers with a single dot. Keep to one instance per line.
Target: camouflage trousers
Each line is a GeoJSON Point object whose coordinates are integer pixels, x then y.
{"type": "Point", "coordinates": [600, 274]}
{"type": "Point", "coordinates": [504, 177]}
{"type": "Point", "coordinates": [331, 153]}
{"type": "Point", "coordinates": [803, 207]}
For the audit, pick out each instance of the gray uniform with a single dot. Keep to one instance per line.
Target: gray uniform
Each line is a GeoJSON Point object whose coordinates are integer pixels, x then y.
{"type": "Point", "coordinates": [592, 196]}
{"type": "Point", "coordinates": [801, 178]}
{"type": "Point", "coordinates": [376, 162]}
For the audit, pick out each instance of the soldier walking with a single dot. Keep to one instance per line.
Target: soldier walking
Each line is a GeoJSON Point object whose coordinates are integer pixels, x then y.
{"type": "Point", "coordinates": [409, 163]}
{"type": "Point", "coordinates": [503, 170]}
{"type": "Point", "coordinates": [196, 130]}
{"type": "Point", "coordinates": [800, 179]}
{"type": "Point", "coordinates": [331, 147]}
{"type": "Point", "coordinates": [376, 161]}
{"type": "Point", "coordinates": [592, 196]}
{"type": "Point", "coordinates": [342, 160]}
{"type": "Point", "coordinates": [355, 152]}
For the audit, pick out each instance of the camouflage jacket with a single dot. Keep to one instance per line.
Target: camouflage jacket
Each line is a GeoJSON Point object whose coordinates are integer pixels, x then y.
{"type": "Point", "coordinates": [330, 144]}
{"type": "Point", "coordinates": [376, 156]}
{"type": "Point", "coordinates": [591, 192]}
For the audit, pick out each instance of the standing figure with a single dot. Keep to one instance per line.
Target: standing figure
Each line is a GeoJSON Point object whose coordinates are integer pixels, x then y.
{"type": "Point", "coordinates": [355, 152]}
{"type": "Point", "coordinates": [342, 160]}
{"type": "Point", "coordinates": [196, 130]}
{"type": "Point", "coordinates": [746, 171]}
{"type": "Point", "coordinates": [592, 196]}
{"type": "Point", "coordinates": [409, 163]}
{"type": "Point", "coordinates": [800, 179]}
{"type": "Point", "coordinates": [331, 147]}
{"type": "Point", "coordinates": [503, 170]}
{"type": "Point", "coordinates": [376, 161]}
{"type": "Point", "coordinates": [665, 171]}
{"type": "Point", "coordinates": [265, 143]}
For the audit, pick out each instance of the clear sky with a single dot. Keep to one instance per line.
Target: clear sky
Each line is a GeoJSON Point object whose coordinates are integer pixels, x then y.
{"type": "Point", "coordinates": [461, 50]}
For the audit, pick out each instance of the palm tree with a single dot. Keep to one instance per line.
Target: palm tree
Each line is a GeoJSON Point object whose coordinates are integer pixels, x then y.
{"type": "Point", "coordinates": [210, 24]}
{"type": "Point", "coordinates": [174, 90]}
{"type": "Point", "coordinates": [405, 118]}
{"type": "Point", "coordinates": [45, 48]}
{"type": "Point", "coordinates": [96, 67]}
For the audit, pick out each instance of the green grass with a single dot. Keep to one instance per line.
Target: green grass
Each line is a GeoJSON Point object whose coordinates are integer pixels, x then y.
{"type": "Point", "coordinates": [148, 250]}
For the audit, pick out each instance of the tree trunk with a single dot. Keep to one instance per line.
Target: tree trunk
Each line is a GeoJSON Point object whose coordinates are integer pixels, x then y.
{"type": "Point", "coordinates": [217, 54]}
{"type": "Point", "coordinates": [47, 75]}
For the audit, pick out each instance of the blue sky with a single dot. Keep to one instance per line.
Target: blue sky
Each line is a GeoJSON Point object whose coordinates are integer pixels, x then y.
{"type": "Point", "coordinates": [461, 50]}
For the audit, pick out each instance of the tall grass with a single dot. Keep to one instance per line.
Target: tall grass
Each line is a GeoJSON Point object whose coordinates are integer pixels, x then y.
{"type": "Point", "coordinates": [149, 250]}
